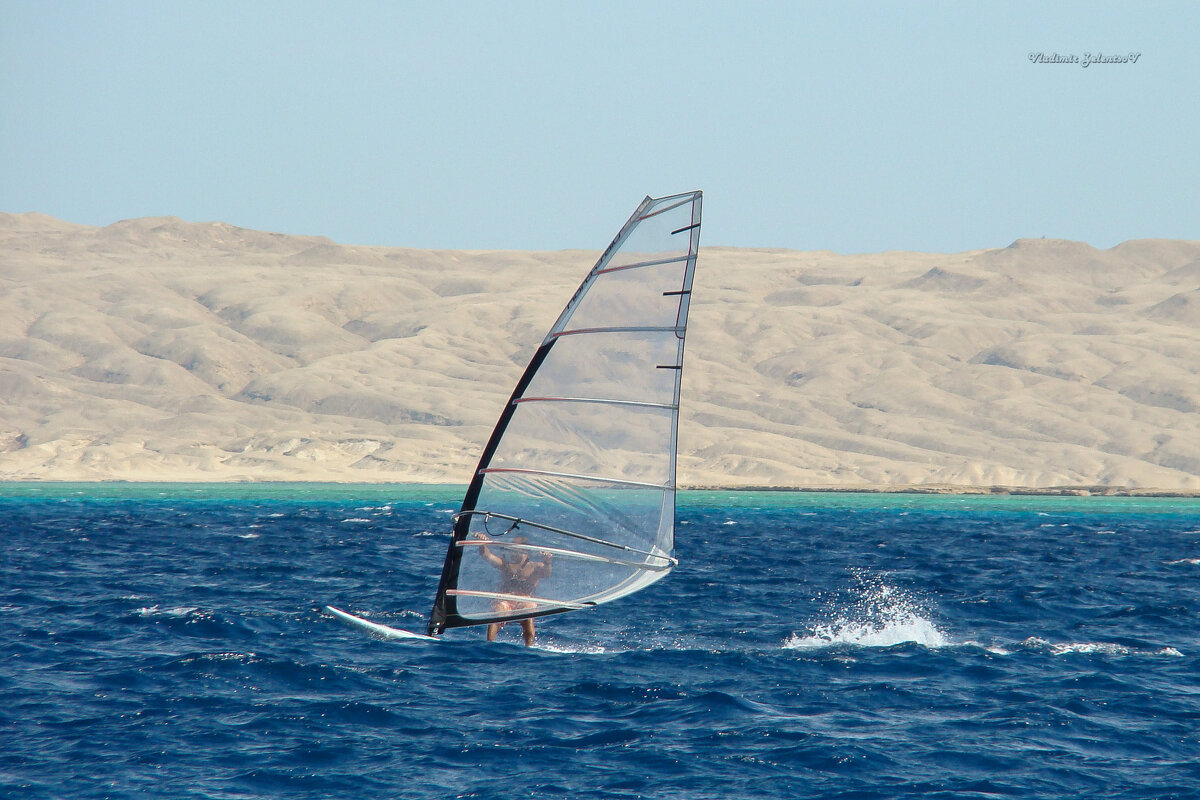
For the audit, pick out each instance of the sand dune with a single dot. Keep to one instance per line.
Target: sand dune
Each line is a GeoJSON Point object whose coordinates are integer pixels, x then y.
{"type": "Point", "coordinates": [156, 349]}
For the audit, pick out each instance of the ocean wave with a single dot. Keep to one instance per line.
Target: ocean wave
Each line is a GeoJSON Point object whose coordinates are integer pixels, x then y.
{"type": "Point", "coordinates": [881, 615]}
{"type": "Point", "coordinates": [940, 653]}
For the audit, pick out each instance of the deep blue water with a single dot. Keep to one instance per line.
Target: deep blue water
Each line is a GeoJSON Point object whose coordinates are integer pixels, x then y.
{"type": "Point", "coordinates": [169, 642]}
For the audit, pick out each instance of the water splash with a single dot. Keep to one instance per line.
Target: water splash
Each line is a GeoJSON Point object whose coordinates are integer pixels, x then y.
{"type": "Point", "coordinates": [880, 615]}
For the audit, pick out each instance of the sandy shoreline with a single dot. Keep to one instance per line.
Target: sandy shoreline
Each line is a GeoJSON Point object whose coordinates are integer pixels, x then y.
{"type": "Point", "coordinates": [1015, 491]}
{"type": "Point", "coordinates": [162, 350]}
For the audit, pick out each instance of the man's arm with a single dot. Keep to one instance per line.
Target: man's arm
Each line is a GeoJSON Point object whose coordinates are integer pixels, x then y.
{"type": "Point", "coordinates": [485, 551]}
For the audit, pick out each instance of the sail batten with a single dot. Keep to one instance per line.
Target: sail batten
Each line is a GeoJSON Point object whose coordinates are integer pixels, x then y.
{"type": "Point", "coordinates": [603, 400]}
{"type": "Point", "coordinates": [675, 329]}
{"type": "Point", "coordinates": [518, 522]}
{"type": "Point", "coordinates": [639, 265]}
{"type": "Point", "coordinates": [663, 210]}
{"type": "Point", "coordinates": [575, 476]}
{"type": "Point", "coordinates": [560, 551]}
{"type": "Point", "coordinates": [581, 465]}
{"type": "Point", "coordinates": [521, 598]}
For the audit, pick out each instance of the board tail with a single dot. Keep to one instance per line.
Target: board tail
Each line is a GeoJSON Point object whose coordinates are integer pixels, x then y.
{"type": "Point", "coordinates": [374, 628]}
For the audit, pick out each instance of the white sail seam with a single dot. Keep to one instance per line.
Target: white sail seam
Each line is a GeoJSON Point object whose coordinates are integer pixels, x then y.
{"type": "Point", "coordinates": [574, 535]}
{"type": "Point", "coordinates": [675, 329]}
{"type": "Point", "coordinates": [520, 598]}
{"type": "Point", "coordinates": [559, 551]}
{"type": "Point", "coordinates": [606, 401]}
{"type": "Point", "coordinates": [688, 199]}
{"type": "Point", "coordinates": [638, 265]}
{"type": "Point", "coordinates": [576, 476]}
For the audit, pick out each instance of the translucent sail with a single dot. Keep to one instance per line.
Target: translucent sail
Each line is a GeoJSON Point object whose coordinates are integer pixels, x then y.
{"type": "Point", "coordinates": [573, 501]}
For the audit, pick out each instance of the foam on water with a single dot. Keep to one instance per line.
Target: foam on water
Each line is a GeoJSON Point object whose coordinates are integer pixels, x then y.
{"type": "Point", "coordinates": [1036, 644]}
{"type": "Point", "coordinates": [580, 649]}
{"type": "Point", "coordinates": [881, 615]}
{"type": "Point", "coordinates": [231, 656]}
{"type": "Point", "coordinates": [1090, 648]}
{"type": "Point", "coordinates": [155, 611]}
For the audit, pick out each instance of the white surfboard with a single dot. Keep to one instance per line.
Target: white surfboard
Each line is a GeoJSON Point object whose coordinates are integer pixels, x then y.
{"type": "Point", "coordinates": [383, 631]}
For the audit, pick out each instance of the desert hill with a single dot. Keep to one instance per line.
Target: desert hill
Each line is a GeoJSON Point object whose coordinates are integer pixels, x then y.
{"type": "Point", "coordinates": [157, 349]}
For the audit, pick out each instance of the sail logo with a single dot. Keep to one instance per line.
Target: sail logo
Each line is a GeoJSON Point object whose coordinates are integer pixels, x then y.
{"type": "Point", "coordinates": [1085, 61]}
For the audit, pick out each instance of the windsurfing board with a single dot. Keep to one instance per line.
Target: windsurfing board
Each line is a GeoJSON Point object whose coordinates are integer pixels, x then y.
{"type": "Point", "coordinates": [375, 628]}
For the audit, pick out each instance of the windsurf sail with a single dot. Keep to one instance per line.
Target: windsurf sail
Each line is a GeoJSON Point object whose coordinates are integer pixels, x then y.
{"type": "Point", "coordinates": [573, 501]}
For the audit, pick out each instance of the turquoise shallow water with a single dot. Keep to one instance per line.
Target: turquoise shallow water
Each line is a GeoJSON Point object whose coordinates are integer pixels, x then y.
{"type": "Point", "coordinates": [167, 640]}
{"type": "Point", "coordinates": [415, 492]}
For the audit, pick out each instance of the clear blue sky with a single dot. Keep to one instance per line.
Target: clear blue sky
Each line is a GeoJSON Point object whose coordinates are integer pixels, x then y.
{"type": "Point", "coordinates": [854, 127]}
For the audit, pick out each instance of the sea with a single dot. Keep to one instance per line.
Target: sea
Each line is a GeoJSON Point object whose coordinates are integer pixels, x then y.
{"type": "Point", "coordinates": [170, 641]}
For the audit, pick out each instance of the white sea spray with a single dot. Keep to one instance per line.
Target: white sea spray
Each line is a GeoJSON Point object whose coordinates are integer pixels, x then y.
{"type": "Point", "coordinates": [880, 615]}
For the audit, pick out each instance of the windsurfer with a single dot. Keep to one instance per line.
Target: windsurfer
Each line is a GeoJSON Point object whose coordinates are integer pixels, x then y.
{"type": "Point", "coordinates": [519, 575]}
